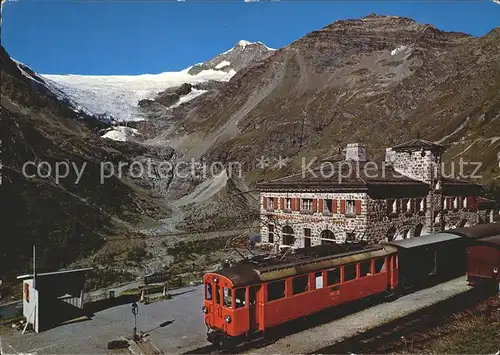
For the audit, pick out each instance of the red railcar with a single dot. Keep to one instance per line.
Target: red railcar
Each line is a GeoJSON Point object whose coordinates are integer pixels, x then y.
{"type": "Point", "coordinates": [483, 262]}
{"type": "Point", "coordinates": [250, 297]}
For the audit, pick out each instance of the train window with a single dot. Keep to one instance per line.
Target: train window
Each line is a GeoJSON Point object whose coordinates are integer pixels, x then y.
{"type": "Point", "coordinates": [332, 276]}
{"type": "Point", "coordinates": [208, 291]}
{"type": "Point", "coordinates": [379, 265]}
{"type": "Point", "coordinates": [240, 297]}
{"type": "Point", "coordinates": [228, 298]}
{"type": "Point", "coordinates": [275, 290]}
{"type": "Point", "coordinates": [349, 272]}
{"type": "Point", "coordinates": [318, 279]}
{"type": "Point", "coordinates": [217, 294]}
{"type": "Point", "coordinates": [300, 284]}
{"type": "Point", "coordinates": [365, 268]}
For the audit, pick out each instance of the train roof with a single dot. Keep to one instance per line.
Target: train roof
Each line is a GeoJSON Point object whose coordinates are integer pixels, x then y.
{"type": "Point", "coordinates": [304, 261]}
{"type": "Point", "coordinates": [423, 240]}
{"type": "Point", "coordinates": [493, 241]}
{"type": "Point", "coordinates": [478, 231]}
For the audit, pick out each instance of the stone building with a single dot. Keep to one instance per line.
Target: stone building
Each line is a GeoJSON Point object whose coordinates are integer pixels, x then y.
{"type": "Point", "coordinates": [404, 196]}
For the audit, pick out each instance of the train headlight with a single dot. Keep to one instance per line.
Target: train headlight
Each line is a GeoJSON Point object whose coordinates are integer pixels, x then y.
{"type": "Point", "coordinates": [227, 319]}
{"type": "Point", "coordinates": [204, 309]}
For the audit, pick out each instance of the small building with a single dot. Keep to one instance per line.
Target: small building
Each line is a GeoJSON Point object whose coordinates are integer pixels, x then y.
{"type": "Point", "coordinates": [404, 196]}
{"type": "Point", "coordinates": [52, 297]}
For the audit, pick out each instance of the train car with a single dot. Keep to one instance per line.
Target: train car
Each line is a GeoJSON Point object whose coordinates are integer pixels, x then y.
{"type": "Point", "coordinates": [430, 259]}
{"type": "Point", "coordinates": [483, 262]}
{"type": "Point", "coordinates": [255, 295]}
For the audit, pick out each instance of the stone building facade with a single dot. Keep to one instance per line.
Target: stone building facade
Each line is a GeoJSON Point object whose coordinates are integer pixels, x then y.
{"type": "Point", "coordinates": [402, 197]}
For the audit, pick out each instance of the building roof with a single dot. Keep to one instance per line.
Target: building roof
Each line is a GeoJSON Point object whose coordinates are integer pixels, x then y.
{"type": "Point", "coordinates": [344, 176]}
{"type": "Point", "coordinates": [55, 273]}
{"type": "Point", "coordinates": [478, 231]}
{"type": "Point", "coordinates": [417, 144]}
{"type": "Point", "coordinates": [423, 240]}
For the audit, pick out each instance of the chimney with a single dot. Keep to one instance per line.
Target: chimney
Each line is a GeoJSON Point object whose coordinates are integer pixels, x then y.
{"type": "Point", "coordinates": [355, 152]}
{"type": "Point", "coordinates": [390, 155]}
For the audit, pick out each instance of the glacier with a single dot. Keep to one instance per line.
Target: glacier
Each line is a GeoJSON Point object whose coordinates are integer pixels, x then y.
{"type": "Point", "coordinates": [118, 95]}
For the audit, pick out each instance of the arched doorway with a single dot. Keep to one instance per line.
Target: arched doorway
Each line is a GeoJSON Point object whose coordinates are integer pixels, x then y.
{"type": "Point", "coordinates": [391, 233]}
{"type": "Point", "coordinates": [327, 237]}
{"type": "Point", "coordinates": [418, 230]}
{"type": "Point", "coordinates": [288, 235]}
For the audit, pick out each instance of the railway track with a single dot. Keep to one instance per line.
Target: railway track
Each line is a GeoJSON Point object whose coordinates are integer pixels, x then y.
{"type": "Point", "coordinates": [373, 340]}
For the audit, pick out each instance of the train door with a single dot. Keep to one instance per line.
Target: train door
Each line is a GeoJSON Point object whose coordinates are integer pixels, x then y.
{"type": "Point", "coordinates": [253, 296]}
{"type": "Point", "coordinates": [217, 314]}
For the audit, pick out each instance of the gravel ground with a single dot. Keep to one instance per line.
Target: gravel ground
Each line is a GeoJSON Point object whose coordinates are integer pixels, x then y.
{"type": "Point", "coordinates": [328, 334]}
{"type": "Point", "coordinates": [92, 336]}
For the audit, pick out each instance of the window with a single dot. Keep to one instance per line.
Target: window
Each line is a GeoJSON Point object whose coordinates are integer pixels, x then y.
{"type": "Point", "coordinates": [422, 204]}
{"type": "Point", "coordinates": [275, 290]}
{"type": "Point", "coordinates": [208, 291]}
{"type": "Point", "coordinates": [328, 206]}
{"type": "Point", "coordinates": [288, 236]}
{"type": "Point", "coordinates": [307, 204]}
{"type": "Point", "coordinates": [288, 203]}
{"type": "Point", "coordinates": [228, 298]}
{"type": "Point", "coordinates": [380, 265]}
{"type": "Point", "coordinates": [332, 276]}
{"type": "Point", "coordinates": [270, 234]}
{"type": "Point", "coordinates": [270, 203]}
{"type": "Point", "coordinates": [365, 268]}
{"type": "Point", "coordinates": [300, 284]}
{"type": "Point", "coordinates": [307, 237]}
{"type": "Point", "coordinates": [349, 272]}
{"type": "Point", "coordinates": [464, 202]}
{"type": "Point", "coordinates": [217, 294]}
{"type": "Point", "coordinates": [239, 295]}
{"type": "Point", "coordinates": [350, 207]}
{"type": "Point", "coordinates": [318, 278]}
{"type": "Point", "coordinates": [408, 205]}
{"type": "Point", "coordinates": [455, 202]}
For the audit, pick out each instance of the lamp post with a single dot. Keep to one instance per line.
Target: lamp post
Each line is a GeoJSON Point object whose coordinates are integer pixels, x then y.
{"type": "Point", "coordinates": [135, 311]}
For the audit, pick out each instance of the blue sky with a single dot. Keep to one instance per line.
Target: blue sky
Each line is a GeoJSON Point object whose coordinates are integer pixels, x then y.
{"type": "Point", "coordinates": [135, 37]}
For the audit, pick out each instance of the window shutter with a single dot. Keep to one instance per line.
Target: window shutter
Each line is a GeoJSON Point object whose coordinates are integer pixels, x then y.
{"type": "Point", "coordinates": [425, 203]}
{"type": "Point", "coordinates": [264, 202]}
{"type": "Point", "coordinates": [292, 202]}
{"type": "Point", "coordinates": [358, 206]}
{"type": "Point", "coordinates": [275, 203]}
{"type": "Point", "coordinates": [398, 206]}
{"type": "Point", "coordinates": [334, 206]}
{"type": "Point", "coordinates": [282, 203]}
{"type": "Point", "coordinates": [297, 204]}
{"type": "Point", "coordinates": [476, 205]}
{"type": "Point", "coordinates": [460, 202]}
{"type": "Point", "coordinates": [315, 205]}
{"type": "Point", "coordinates": [448, 203]}
{"type": "Point", "coordinates": [320, 206]}
{"type": "Point", "coordinates": [404, 205]}
{"type": "Point", "coordinates": [342, 206]}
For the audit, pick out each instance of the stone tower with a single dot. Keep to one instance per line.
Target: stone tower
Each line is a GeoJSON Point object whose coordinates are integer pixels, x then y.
{"type": "Point", "coordinates": [421, 160]}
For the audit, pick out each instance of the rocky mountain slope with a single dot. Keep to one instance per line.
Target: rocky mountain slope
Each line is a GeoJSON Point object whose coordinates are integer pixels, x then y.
{"type": "Point", "coordinates": [379, 80]}
{"type": "Point", "coordinates": [243, 54]}
{"type": "Point", "coordinates": [70, 217]}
